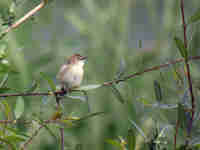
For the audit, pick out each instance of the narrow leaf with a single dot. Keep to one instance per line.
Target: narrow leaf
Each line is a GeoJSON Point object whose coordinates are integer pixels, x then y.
{"type": "Point", "coordinates": [194, 18]}
{"type": "Point", "coordinates": [15, 138]}
{"type": "Point", "coordinates": [122, 69]}
{"type": "Point", "coordinates": [50, 131]}
{"type": "Point", "coordinates": [87, 100]}
{"type": "Point", "coordinates": [157, 90]}
{"type": "Point", "coordinates": [79, 147]}
{"type": "Point", "coordinates": [116, 92]}
{"type": "Point", "coordinates": [16, 131]}
{"type": "Point", "coordinates": [181, 47]}
{"type": "Point", "coordinates": [138, 128]}
{"type": "Point", "coordinates": [11, 145]}
{"type": "Point", "coordinates": [89, 87]}
{"type": "Point", "coordinates": [7, 110]}
{"type": "Point", "coordinates": [33, 87]}
{"type": "Point", "coordinates": [89, 116]}
{"type": "Point", "coordinates": [144, 101]}
{"type": "Point", "coordinates": [140, 43]}
{"type": "Point", "coordinates": [113, 142]}
{"type": "Point", "coordinates": [164, 106]}
{"type": "Point", "coordinates": [44, 100]}
{"type": "Point", "coordinates": [4, 89]}
{"type": "Point", "coordinates": [162, 132]}
{"type": "Point", "coordinates": [19, 108]}
{"type": "Point", "coordinates": [82, 98]}
{"type": "Point", "coordinates": [131, 139]}
{"type": "Point", "coordinates": [49, 80]}
{"type": "Point", "coordinates": [4, 80]}
{"type": "Point", "coordinates": [181, 116]}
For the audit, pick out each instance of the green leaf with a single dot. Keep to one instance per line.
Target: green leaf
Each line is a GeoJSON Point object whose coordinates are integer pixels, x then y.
{"type": "Point", "coordinates": [181, 47]}
{"type": "Point", "coordinates": [87, 100]}
{"type": "Point", "coordinates": [194, 18]}
{"type": "Point", "coordinates": [7, 68]}
{"type": "Point", "coordinates": [144, 101]}
{"type": "Point", "coordinates": [89, 116]}
{"type": "Point", "coordinates": [162, 132]}
{"type": "Point", "coordinates": [113, 142]}
{"type": "Point", "coordinates": [140, 43]}
{"type": "Point", "coordinates": [164, 106]}
{"type": "Point", "coordinates": [4, 80]}
{"type": "Point", "coordinates": [116, 92]}
{"type": "Point", "coordinates": [33, 87]}
{"type": "Point", "coordinates": [82, 98]}
{"type": "Point", "coordinates": [138, 128]}
{"type": "Point", "coordinates": [89, 87]}
{"type": "Point", "coordinates": [4, 89]}
{"type": "Point", "coordinates": [122, 69]}
{"type": "Point", "coordinates": [131, 139]}
{"type": "Point", "coordinates": [79, 147]}
{"type": "Point", "coordinates": [2, 35]}
{"type": "Point", "coordinates": [15, 138]}
{"type": "Point", "coordinates": [157, 90]}
{"type": "Point", "coordinates": [181, 116]}
{"type": "Point", "coordinates": [7, 110]}
{"type": "Point", "coordinates": [16, 131]}
{"type": "Point", "coordinates": [12, 8]}
{"type": "Point", "coordinates": [11, 145]}
{"type": "Point", "coordinates": [49, 80]}
{"type": "Point", "coordinates": [50, 131]}
{"type": "Point", "coordinates": [19, 108]}
{"type": "Point", "coordinates": [182, 147]}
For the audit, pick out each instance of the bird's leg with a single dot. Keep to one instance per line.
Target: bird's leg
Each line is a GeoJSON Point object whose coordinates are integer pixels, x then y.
{"type": "Point", "coordinates": [64, 90]}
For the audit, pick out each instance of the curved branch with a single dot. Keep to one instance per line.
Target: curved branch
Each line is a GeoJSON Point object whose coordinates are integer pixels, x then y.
{"type": "Point", "coordinates": [105, 83]}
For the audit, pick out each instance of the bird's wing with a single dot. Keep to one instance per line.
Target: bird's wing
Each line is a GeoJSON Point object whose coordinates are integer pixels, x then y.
{"type": "Point", "coordinates": [62, 71]}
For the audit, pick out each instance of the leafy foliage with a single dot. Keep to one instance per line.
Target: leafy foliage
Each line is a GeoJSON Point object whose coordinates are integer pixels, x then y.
{"type": "Point", "coordinates": [105, 31]}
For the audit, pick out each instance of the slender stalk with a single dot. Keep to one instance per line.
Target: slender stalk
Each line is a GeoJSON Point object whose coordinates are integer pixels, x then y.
{"type": "Point", "coordinates": [150, 69]}
{"type": "Point", "coordinates": [108, 83]}
{"type": "Point", "coordinates": [25, 17]}
{"type": "Point", "coordinates": [188, 69]}
{"type": "Point", "coordinates": [176, 133]}
{"type": "Point", "coordinates": [62, 138]}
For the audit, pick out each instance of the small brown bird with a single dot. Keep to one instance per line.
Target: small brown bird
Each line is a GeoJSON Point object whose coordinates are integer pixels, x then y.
{"type": "Point", "coordinates": [71, 73]}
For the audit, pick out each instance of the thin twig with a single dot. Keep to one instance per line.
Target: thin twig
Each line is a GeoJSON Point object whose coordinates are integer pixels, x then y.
{"type": "Point", "coordinates": [176, 133]}
{"type": "Point", "coordinates": [105, 83]}
{"type": "Point", "coordinates": [150, 69]}
{"type": "Point", "coordinates": [52, 121]}
{"type": "Point", "coordinates": [188, 69]}
{"type": "Point", "coordinates": [7, 121]}
{"type": "Point", "coordinates": [58, 98]}
{"type": "Point", "coordinates": [25, 17]}
{"type": "Point", "coordinates": [62, 138]}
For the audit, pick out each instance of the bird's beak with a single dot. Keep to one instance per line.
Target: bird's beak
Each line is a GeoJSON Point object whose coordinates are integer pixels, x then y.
{"type": "Point", "coordinates": [83, 58]}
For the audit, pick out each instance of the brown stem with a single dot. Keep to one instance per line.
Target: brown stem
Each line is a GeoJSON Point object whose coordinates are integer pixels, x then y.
{"type": "Point", "coordinates": [149, 70]}
{"type": "Point", "coordinates": [105, 83]}
{"type": "Point", "coordinates": [25, 17]}
{"type": "Point", "coordinates": [176, 133]}
{"type": "Point", "coordinates": [62, 138]}
{"type": "Point", "coordinates": [187, 68]}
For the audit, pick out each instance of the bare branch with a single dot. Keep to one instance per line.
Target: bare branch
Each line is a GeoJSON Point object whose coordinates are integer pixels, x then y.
{"type": "Point", "coordinates": [25, 17]}
{"type": "Point", "coordinates": [61, 92]}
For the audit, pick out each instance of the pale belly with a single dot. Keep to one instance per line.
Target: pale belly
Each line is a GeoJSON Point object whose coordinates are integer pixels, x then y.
{"type": "Point", "coordinates": [73, 78]}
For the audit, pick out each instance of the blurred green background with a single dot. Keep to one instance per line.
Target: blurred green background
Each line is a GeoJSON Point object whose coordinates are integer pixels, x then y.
{"type": "Point", "coordinates": [108, 32]}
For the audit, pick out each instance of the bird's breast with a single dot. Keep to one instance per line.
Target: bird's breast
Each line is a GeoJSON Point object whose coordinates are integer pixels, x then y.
{"type": "Point", "coordinates": [73, 76]}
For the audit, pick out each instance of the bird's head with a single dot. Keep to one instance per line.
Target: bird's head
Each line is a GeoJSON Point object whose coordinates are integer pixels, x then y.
{"type": "Point", "coordinates": [77, 59]}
